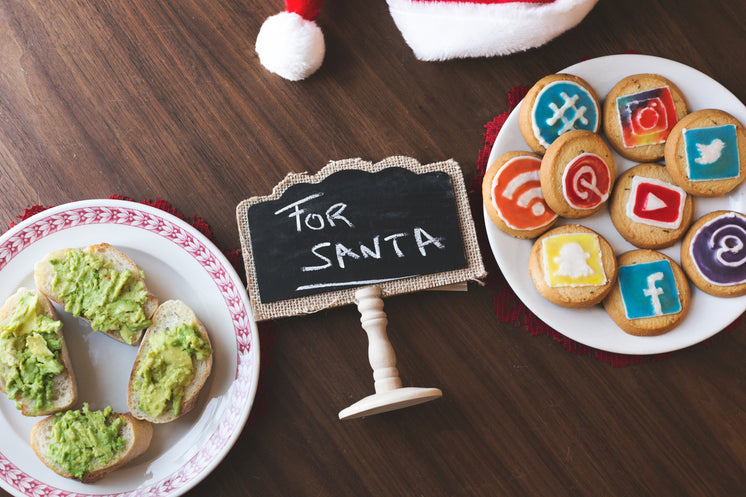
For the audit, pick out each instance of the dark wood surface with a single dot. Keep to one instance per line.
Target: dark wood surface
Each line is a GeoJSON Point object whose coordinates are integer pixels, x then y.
{"type": "Point", "coordinates": [168, 100]}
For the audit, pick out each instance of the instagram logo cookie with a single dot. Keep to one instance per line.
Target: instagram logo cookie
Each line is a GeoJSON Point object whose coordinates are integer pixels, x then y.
{"type": "Point", "coordinates": [577, 174]}
{"type": "Point", "coordinates": [648, 209]}
{"type": "Point", "coordinates": [512, 196]}
{"type": "Point", "coordinates": [651, 296]}
{"type": "Point", "coordinates": [706, 153]}
{"type": "Point", "coordinates": [713, 254]}
{"type": "Point", "coordinates": [556, 104]}
{"type": "Point", "coordinates": [572, 266]}
{"type": "Point", "coordinates": [639, 113]}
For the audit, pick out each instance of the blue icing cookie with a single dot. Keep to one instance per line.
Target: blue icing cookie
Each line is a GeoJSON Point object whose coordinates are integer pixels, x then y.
{"type": "Point", "coordinates": [711, 153]}
{"type": "Point", "coordinates": [649, 289]}
{"type": "Point", "coordinates": [562, 106]}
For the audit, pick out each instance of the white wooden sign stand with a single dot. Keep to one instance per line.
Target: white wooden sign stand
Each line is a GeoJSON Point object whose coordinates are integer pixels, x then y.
{"type": "Point", "coordinates": [390, 394]}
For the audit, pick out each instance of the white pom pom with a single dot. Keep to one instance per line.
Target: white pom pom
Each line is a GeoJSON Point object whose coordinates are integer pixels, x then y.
{"type": "Point", "coordinates": [290, 46]}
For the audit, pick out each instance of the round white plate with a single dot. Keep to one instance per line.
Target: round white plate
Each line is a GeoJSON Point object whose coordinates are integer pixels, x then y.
{"type": "Point", "coordinates": [593, 327]}
{"type": "Point", "coordinates": [179, 263]}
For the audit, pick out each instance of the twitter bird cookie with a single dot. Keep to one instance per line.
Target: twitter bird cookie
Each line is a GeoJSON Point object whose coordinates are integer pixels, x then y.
{"type": "Point", "coordinates": [706, 153]}
{"type": "Point", "coordinates": [572, 266]}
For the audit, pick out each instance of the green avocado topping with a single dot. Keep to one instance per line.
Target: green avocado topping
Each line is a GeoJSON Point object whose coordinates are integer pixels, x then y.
{"type": "Point", "coordinates": [168, 367]}
{"type": "Point", "coordinates": [84, 440]}
{"type": "Point", "coordinates": [109, 299]}
{"type": "Point", "coordinates": [30, 353]}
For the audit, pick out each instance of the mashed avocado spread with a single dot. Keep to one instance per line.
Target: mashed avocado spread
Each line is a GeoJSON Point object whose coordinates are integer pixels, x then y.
{"type": "Point", "coordinates": [84, 440]}
{"type": "Point", "coordinates": [30, 352]}
{"type": "Point", "coordinates": [168, 367]}
{"type": "Point", "coordinates": [109, 299]}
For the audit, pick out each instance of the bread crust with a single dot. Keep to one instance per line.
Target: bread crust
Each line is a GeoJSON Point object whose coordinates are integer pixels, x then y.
{"type": "Point", "coordinates": [44, 279]}
{"type": "Point", "coordinates": [168, 314]}
{"type": "Point", "coordinates": [136, 433]}
{"type": "Point", "coordinates": [65, 389]}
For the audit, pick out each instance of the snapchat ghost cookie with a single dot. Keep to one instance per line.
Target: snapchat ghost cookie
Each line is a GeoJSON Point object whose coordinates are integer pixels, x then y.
{"type": "Point", "coordinates": [706, 153]}
{"type": "Point", "coordinates": [713, 253]}
{"type": "Point", "coordinates": [577, 174]}
{"type": "Point", "coordinates": [648, 209]}
{"type": "Point", "coordinates": [556, 104]}
{"type": "Point", "coordinates": [651, 296]}
{"type": "Point", "coordinates": [639, 113]}
{"type": "Point", "coordinates": [572, 266]}
{"type": "Point", "coordinates": [512, 197]}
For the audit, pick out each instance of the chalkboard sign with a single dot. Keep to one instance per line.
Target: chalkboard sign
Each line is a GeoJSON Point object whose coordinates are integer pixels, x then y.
{"type": "Point", "coordinates": [396, 224]}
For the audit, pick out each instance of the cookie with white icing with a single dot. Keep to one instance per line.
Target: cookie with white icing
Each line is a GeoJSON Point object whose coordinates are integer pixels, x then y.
{"type": "Point", "coordinates": [556, 104]}
{"type": "Point", "coordinates": [648, 209]}
{"type": "Point", "coordinates": [706, 153]}
{"type": "Point", "coordinates": [572, 266]}
{"type": "Point", "coordinates": [512, 197]}
{"type": "Point", "coordinates": [651, 295]}
{"type": "Point", "coordinates": [713, 253]}
{"type": "Point", "coordinates": [577, 174]}
{"type": "Point", "coordinates": [639, 113]}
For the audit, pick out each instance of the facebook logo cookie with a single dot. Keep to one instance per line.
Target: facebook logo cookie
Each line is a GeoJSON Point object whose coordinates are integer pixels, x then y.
{"type": "Point", "coordinates": [648, 289]}
{"type": "Point", "coordinates": [711, 153]}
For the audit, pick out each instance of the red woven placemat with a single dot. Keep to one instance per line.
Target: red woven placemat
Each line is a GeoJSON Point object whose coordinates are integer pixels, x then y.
{"type": "Point", "coordinates": [507, 306]}
{"type": "Point", "coordinates": [267, 329]}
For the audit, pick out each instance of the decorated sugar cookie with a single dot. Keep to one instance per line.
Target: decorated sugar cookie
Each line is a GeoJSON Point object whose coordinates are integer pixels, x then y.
{"type": "Point", "coordinates": [648, 209]}
{"type": "Point", "coordinates": [577, 174]}
{"type": "Point", "coordinates": [572, 266]}
{"type": "Point", "coordinates": [713, 254]}
{"type": "Point", "coordinates": [639, 113]}
{"type": "Point", "coordinates": [556, 104]}
{"type": "Point", "coordinates": [706, 153]}
{"type": "Point", "coordinates": [511, 193]}
{"type": "Point", "coordinates": [651, 296]}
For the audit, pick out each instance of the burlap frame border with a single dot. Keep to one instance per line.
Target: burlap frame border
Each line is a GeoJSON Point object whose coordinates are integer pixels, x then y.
{"type": "Point", "coordinates": [313, 303]}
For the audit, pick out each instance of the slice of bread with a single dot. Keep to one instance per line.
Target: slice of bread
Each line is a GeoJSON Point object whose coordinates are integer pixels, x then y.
{"type": "Point", "coordinates": [44, 277]}
{"type": "Point", "coordinates": [64, 389]}
{"type": "Point", "coordinates": [170, 314]}
{"type": "Point", "coordinates": [137, 435]}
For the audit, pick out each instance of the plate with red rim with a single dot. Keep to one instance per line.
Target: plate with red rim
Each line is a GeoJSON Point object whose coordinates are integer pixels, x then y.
{"type": "Point", "coordinates": [179, 263]}
{"type": "Point", "coordinates": [593, 327]}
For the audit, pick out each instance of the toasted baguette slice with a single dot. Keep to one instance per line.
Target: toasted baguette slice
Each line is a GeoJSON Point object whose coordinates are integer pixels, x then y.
{"type": "Point", "coordinates": [137, 435]}
{"type": "Point", "coordinates": [169, 315]}
{"type": "Point", "coordinates": [65, 388]}
{"type": "Point", "coordinates": [44, 278]}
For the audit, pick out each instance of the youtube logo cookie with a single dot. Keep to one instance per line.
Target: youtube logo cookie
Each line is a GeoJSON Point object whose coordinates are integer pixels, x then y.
{"type": "Point", "coordinates": [648, 209]}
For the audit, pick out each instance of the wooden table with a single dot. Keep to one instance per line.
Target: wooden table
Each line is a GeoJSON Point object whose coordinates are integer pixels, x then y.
{"type": "Point", "coordinates": [168, 100]}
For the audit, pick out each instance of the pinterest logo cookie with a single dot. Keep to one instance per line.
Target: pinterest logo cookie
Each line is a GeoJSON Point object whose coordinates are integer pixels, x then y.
{"type": "Point", "coordinates": [556, 104]}
{"type": "Point", "coordinates": [577, 174]}
{"type": "Point", "coordinates": [706, 153]}
{"type": "Point", "coordinates": [640, 112]}
{"type": "Point", "coordinates": [713, 254]}
{"type": "Point", "coordinates": [651, 296]}
{"type": "Point", "coordinates": [572, 266]}
{"type": "Point", "coordinates": [512, 195]}
{"type": "Point", "coordinates": [648, 209]}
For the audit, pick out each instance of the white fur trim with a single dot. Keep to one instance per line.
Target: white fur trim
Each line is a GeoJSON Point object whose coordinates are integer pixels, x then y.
{"type": "Point", "coordinates": [290, 46]}
{"type": "Point", "coordinates": [445, 30]}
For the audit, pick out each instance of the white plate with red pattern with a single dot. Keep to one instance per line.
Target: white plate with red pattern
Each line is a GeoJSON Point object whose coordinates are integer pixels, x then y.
{"type": "Point", "coordinates": [179, 262]}
{"type": "Point", "coordinates": [593, 327]}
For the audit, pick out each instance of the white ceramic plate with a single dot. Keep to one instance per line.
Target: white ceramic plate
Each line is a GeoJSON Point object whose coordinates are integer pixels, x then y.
{"type": "Point", "coordinates": [593, 327]}
{"type": "Point", "coordinates": [179, 262]}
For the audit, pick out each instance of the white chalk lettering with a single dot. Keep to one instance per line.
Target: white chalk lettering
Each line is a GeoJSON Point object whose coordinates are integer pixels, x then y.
{"type": "Point", "coordinates": [315, 249]}
{"type": "Point", "coordinates": [319, 221]}
{"type": "Point", "coordinates": [335, 212]}
{"type": "Point", "coordinates": [296, 210]}
{"type": "Point", "coordinates": [343, 252]}
{"type": "Point", "coordinates": [424, 239]}
{"type": "Point", "coordinates": [392, 239]}
{"type": "Point", "coordinates": [366, 252]}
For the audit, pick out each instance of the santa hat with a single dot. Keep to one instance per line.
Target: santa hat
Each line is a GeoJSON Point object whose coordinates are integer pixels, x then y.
{"type": "Point", "coordinates": [292, 45]}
